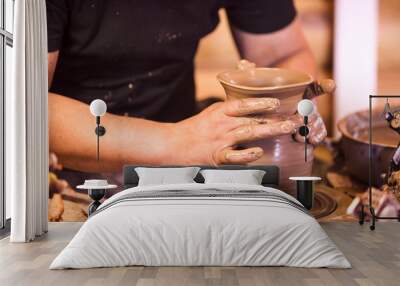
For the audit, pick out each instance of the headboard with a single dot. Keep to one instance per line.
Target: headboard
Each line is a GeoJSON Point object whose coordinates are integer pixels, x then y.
{"type": "Point", "coordinates": [271, 177]}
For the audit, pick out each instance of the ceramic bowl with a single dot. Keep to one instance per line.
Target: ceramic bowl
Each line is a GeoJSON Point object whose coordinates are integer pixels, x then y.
{"type": "Point", "coordinates": [354, 145]}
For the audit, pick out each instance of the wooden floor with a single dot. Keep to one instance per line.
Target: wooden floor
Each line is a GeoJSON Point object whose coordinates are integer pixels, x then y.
{"type": "Point", "coordinates": [375, 257]}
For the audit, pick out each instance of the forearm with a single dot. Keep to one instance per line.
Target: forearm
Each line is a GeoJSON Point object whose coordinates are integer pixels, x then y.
{"type": "Point", "coordinates": [286, 48]}
{"type": "Point", "coordinates": [127, 140]}
{"type": "Point", "coordinates": [302, 60]}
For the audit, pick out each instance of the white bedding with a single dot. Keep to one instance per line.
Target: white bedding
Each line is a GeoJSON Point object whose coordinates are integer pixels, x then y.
{"type": "Point", "coordinates": [189, 230]}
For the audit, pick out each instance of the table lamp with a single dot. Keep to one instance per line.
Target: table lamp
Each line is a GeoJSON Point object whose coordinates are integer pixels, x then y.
{"type": "Point", "coordinates": [96, 191]}
{"type": "Point", "coordinates": [305, 190]}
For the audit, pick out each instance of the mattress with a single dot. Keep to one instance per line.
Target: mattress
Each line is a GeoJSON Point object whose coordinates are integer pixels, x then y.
{"type": "Point", "coordinates": [201, 225]}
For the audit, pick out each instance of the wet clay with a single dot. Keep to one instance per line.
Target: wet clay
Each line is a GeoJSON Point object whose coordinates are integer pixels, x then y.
{"type": "Point", "coordinates": [381, 134]}
{"type": "Point", "coordinates": [288, 86]}
{"type": "Point", "coordinates": [356, 126]}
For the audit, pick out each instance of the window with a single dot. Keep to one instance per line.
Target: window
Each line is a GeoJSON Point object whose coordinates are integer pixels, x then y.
{"type": "Point", "coordinates": [6, 43]}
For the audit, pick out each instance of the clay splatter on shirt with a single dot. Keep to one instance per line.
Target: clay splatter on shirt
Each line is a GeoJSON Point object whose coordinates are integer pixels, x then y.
{"type": "Point", "coordinates": [167, 37]}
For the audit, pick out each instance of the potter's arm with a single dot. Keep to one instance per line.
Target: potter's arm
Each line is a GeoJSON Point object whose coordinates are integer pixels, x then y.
{"type": "Point", "coordinates": [205, 139]}
{"type": "Point", "coordinates": [208, 138]}
{"type": "Point", "coordinates": [128, 140]}
{"type": "Point", "coordinates": [286, 48]}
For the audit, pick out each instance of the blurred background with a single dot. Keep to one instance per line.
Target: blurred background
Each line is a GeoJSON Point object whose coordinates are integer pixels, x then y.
{"type": "Point", "coordinates": [217, 51]}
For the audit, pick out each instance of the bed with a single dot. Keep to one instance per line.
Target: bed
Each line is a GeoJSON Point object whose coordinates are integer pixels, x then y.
{"type": "Point", "coordinates": [201, 224]}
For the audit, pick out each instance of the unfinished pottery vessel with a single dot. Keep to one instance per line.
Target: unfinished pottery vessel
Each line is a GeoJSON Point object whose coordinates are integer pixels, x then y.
{"type": "Point", "coordinates": [289, 87]}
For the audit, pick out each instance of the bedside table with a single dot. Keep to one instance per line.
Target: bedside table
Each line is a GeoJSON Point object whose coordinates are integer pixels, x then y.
{"type": "Point", "coordinates": [96, 191]}
{"type": "Point", "coordinates": [305, 190]}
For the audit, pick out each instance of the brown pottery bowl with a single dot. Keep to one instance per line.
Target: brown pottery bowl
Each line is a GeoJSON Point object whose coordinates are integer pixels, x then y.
{"type": "Point", "coordinates": [354, 145]}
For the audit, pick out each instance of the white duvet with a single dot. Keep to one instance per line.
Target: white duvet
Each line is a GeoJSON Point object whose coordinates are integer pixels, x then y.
{"type": "Point", "coordinates": [188, 231]}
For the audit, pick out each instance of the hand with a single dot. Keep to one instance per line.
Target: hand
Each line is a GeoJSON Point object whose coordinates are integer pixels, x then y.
{"type": "Point", "coordinates": [211, 136]}
{"type": "Point", "coordinates": [317, 130]}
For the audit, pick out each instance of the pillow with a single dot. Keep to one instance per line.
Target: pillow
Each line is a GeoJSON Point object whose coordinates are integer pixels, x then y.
{"type": "Point", "coordinates": [248, 177]}
{"type": "Point", "coordinates": [162, 176]}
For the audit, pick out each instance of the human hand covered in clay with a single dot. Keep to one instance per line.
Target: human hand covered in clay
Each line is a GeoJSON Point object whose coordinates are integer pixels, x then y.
{"type": "Point", "coordinates": [317, 129]}
{"type": "Point", "coordinates": [211, 136]}
{"type": "Point", "coordinates": [316, 124]}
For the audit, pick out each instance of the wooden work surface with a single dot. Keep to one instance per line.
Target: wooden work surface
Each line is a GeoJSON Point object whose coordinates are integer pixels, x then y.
{"type": "Point", "coordinates": [375, 257]}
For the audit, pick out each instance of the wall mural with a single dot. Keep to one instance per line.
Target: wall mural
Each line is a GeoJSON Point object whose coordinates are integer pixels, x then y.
{"type": "Point", "coordinates": [267, 128]}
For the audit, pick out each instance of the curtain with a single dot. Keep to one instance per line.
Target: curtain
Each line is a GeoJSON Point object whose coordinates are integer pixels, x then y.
{"type": "Point", "coordinates": [26, 124]}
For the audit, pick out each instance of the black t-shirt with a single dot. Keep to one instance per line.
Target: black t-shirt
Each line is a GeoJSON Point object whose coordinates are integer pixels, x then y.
{"type": "Point", "coordinates": [137, 55]}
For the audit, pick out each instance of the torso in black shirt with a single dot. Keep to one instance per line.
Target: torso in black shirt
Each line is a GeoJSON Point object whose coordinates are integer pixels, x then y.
{"type": "Point", "coordinates": [138, 55]}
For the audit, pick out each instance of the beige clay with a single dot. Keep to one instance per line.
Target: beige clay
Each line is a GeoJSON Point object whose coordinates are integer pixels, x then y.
{"type": "Point", "coordinates": [289, 86]}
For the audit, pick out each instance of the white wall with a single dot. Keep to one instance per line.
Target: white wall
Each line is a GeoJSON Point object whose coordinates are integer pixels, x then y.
{"type": "Point", "coordinates": [355, 55]}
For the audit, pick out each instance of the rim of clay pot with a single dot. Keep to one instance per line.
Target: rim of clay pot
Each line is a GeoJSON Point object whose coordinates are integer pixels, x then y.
{"type": "Point", "coordinates": [342, 126]}
{"type": "Point", "coordinates": [267, 88]}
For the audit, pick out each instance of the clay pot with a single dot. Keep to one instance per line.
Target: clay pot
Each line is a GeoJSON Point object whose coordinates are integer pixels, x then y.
{"type": "Point", "coordinates": [354, 145]}
{"type": "Point", "coordinates": [288, 86]}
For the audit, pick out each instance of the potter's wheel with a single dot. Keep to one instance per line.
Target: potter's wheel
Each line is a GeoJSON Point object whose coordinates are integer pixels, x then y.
{"type": "Point", "coordinates": [324, 205]}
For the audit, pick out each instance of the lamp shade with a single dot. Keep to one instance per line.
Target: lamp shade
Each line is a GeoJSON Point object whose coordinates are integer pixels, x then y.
{"type": "Point", "coordinates": [98, 107]}
{"type": "Point", "coordinates": [305, 107]}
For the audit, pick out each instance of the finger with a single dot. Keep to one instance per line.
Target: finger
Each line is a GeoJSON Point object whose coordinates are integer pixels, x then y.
{"type": "Point", "coordinates": [313, 117]}
{"type": "Point", "coordinates": [314, 138]}
{"type": "Point", "coordinates": [254, 120]}
{"type": "Point", "coordinates": [318, 131]}
{"type": "Point", "coordinates": [328, 85]}
{"type": "Point", "coordinates": [247, 106]}
{"type": "Point", "coordinates": [325, 86]}
{"type": "Point", "coordinates": [317, 135]}
{"type": "Point", "coordinates": [299, 138]}
{"type": "Point", "coordinates": [264, 119]}
{"type": "Point", "coordinates": [318, 138]}
{"type": "Point", "coordinates": [230, 156]}
{"type": "Point", "coordinates": [253, 132]}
